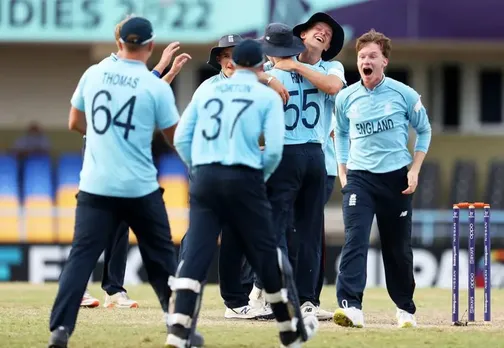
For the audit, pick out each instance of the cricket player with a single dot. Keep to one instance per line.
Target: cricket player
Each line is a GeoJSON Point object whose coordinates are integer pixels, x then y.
{"type": "Point", "coordinates": [232, 261]}
{"type": "Point", "coordinates": [116, 253]}
{"type": "Point", "coordinates": [235, 289]}
{"type": "Point", "coordinates": [118, 105]}
{"type": "Point", "coordinates": [323, 38]}
{"type": "Point", "coordinates": [297, 188]}
{"type": "Point", "coordinates": [217, 139]}
{"type": "Point", "coordinates": [378, 177]}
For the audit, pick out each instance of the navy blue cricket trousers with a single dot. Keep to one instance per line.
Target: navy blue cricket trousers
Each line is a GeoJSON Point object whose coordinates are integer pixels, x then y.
{"type": "Point", "coordinates": [296, 190]}
{"type": "Point", "coordinates": [365, 195]}
{"type": "Point", "coordinates": [97, 220]}
{"type": "Point", "coordinates": [230, 200]}
{"type": "Point", "coordinates": [236, 277]}
{"type": "Point", "coordinates": [114, 264]}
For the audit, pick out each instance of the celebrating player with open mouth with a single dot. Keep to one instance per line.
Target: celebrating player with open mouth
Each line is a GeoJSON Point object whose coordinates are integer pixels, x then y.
{"type": "Point", "coordinates": [375, 114]}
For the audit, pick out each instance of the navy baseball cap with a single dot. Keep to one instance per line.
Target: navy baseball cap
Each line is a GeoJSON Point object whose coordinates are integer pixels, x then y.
{"type": "Point", "coordinates": [248, 54]}
{"type": "Point", "coordinates": [137, 31]}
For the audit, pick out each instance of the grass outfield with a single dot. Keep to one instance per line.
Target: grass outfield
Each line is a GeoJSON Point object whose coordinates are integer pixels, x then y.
{"type": "Point", "coordinates": [24, 313]}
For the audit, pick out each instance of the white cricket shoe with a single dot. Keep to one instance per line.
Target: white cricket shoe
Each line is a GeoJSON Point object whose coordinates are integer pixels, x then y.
{"type": "Point", "coordinates": [119, 300]}
{"type": "Point", "coordinates": [309, 308]}
{"type": "Point", "coordinates": [256, 298]}
{"type": "Point", "coordinates": [89, 301]}
{"type": "Point", "coordinates": [248, 312]}
{"type": "Point", "coordinates": [348, 317]}
{"type": "Point", "coordinates": [405, 319]}
{"type": "Point", "coordinates": [173, 341]}
{"type": "Point", "coordinates": [323, 315]}
{"type": "Point", "coordinates": [258, 301]}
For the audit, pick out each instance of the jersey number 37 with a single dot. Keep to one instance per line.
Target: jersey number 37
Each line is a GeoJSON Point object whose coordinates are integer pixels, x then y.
{"type": "Point", "coordinates": [246, 103]}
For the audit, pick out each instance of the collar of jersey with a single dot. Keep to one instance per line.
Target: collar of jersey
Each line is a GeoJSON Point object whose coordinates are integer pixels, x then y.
{"type": "Point", "coordinates": [131, 61]}
{"type": "Point", "coordinates": [223, 75]}
{"type": "Point", "coordinates": [376, 87]}
{"type": "Point", "coordinates": [245, 75]}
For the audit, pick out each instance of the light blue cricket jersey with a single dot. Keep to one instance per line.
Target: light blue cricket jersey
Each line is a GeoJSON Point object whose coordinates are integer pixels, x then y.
{"type": "Point", "coordinates": [305, 111]}
{"type": "Point", "coordinates": [124, 103]}
{"type": "Point", "coordinates": [211, 80]}
{"type": "Point", "coordinates": [376, 122]}
{"type": "Point", "coordinates": [330, 68]}
{"type": "Point", "coordinates": [114, 57]}
{"type": "Point", "coordinates": [224, 120]}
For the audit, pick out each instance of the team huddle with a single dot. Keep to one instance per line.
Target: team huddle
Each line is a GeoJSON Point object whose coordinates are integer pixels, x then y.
{"type": "Point", "coordinates": [263, 141]}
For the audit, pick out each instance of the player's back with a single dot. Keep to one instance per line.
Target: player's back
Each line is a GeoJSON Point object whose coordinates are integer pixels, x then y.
{"type": "Point", "coordinates": [230, 118]}
{"type": "Point", "coordinates": [304, 112]}
{"type": "Point", "coordinates": [123, 103]}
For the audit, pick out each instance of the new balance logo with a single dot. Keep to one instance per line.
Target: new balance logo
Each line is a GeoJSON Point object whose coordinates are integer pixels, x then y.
{"type": "Point", "coordinates": [308, 310]}
{"type": "Point", "coordinates": [404, 214]}
{"type": "Point", "coordinates": [352, 201]}
{"type": "Point", "coordinates": [245, 310]}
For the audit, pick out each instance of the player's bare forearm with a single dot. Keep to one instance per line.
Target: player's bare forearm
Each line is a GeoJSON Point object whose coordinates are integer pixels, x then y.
{"type": "Point", "coordinates": [418, 160]}
{"type": "Point", "coordinates": [275, 84]}
{"type": "Point", "coordinates": [263, 77]}
{"type": "Point", "coordinates": [177, 65]}
{"type": "Point", "coordinates": [330, 84]}
{"type": "Point", "coordinates": [168, 78]}
{"type": "Point", "coordinates": [160, 67]}
{"type": "Point", "coordinates": [342, 174]}
{"type": "Point", "coordinates": [79, 129]}
{"type": "Point", "coordinates": [168, 135]}
{"type": "Point", "coordinates": [342, 169]}
{"type": "Point", "coordinates": [77, 121]}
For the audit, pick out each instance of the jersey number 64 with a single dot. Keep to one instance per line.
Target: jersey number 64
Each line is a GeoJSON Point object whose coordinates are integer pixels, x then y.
{"type": "Point", "coordinates": [129, 107]}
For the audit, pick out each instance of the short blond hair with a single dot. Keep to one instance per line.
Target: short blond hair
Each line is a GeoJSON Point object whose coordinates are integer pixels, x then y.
{"type": "Point", "coordinates": [119, 26]}
{"type": "Point", "coordinates": [378, 38]}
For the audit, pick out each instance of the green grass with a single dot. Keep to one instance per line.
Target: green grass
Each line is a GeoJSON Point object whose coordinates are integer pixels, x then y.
{"type": "Point", "coordinates": [25, 309]}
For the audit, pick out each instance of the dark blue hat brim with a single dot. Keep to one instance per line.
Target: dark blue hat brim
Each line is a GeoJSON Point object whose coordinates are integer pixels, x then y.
{"type": "Point", "coordinates": [294, 49]}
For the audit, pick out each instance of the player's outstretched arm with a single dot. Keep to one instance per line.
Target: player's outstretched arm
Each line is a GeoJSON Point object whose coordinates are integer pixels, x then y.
{"type": "Point", "coordinates": [275, 84]}
{"type": "Point", "coordinates": [177, 66]}
{"type": "Point", "coordinates": [166, 57]}
{"type": "Point", "coordinates": [274, 133]}
{"type": "Point", "coordinates": [330, 83]}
